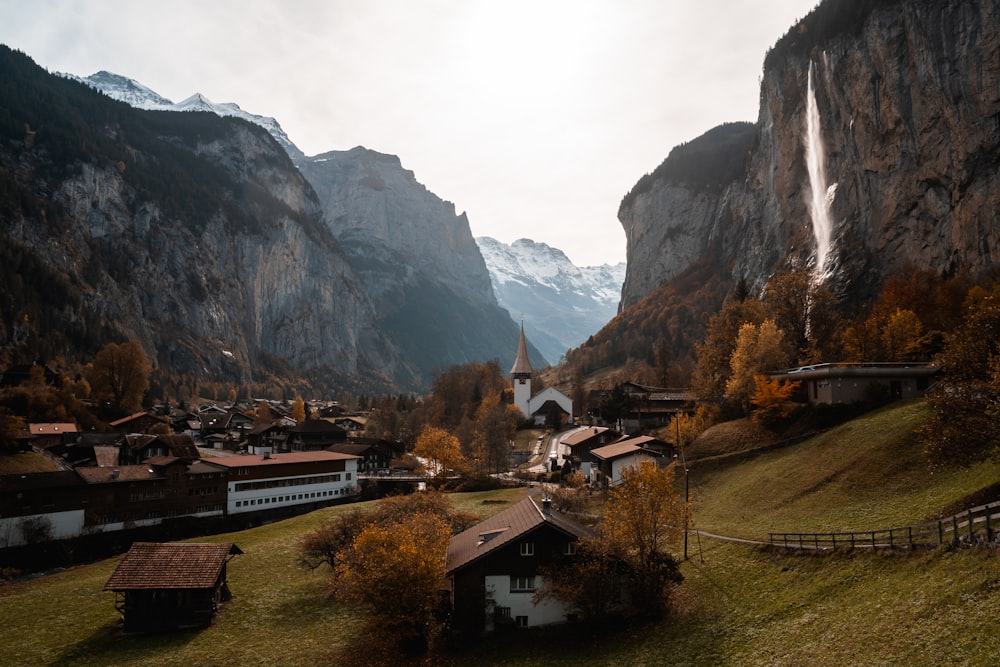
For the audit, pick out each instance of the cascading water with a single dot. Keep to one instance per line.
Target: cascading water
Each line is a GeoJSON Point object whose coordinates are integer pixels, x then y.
{"type": "Point", "coordinates": [820, 195]}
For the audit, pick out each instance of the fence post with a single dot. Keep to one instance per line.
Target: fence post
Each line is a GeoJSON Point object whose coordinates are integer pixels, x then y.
{"type": "Point", "coordinates": [940, 532]}
{"type": "Point", "coordinates": [890, 538]}
{"type": "Point", "coordinates": [852, 539]}
{"type": "Point", "coordinates": [873, 539]}
{"type": "Point", "coordinates": [833, 541]}
{"type": "Point", "coordinates": [800, 540]}
{"type": "Point", "coordinates": [954, 530]}
{"type": "Point", "coordinates": [971, 530]}
{"type": "Point", "coordinates": [989, 530]}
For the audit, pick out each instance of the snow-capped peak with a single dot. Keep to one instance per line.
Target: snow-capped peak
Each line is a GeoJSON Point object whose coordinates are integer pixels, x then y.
{"type": "Point", "coordinates": [139, 96]}
{"type": "Point", "coordinates": [560, 304]}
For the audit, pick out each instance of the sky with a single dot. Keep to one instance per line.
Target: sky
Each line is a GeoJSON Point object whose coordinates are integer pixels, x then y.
{"type": "Point", "coordinates": [535, 117]}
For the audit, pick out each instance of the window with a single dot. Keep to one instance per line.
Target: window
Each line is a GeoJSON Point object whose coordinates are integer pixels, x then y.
{"type": "Point", "coordinates": [522, 584]}
{"type": "Point", "coordinates": [522, 621]}
{"type": "Point", "coordinates": [347, 477]}
{"type": "Point", "coordinates": [569, 548]}
{"type": "Point", "coordinates": [527, 548]}
{"type": "Point", "coordinates": [239, 503]}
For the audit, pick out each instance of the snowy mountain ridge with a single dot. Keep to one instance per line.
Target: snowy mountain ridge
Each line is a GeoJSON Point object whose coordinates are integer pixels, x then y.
{"type": "Point", "coordinates": [135, 94]}
{"type": "Point", "coordinates": [560, 303]}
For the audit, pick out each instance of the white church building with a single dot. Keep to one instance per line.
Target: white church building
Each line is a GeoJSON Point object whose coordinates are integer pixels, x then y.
{"type": "Point", "coordinates": [545, 402]}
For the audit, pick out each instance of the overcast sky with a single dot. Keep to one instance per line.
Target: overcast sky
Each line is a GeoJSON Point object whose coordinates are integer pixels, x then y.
{"type": "Point", "coordinates": [534, 117]}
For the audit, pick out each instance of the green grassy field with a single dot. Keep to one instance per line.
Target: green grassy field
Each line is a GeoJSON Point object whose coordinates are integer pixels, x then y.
{"type": "Point", "coordinates": [739, 605]}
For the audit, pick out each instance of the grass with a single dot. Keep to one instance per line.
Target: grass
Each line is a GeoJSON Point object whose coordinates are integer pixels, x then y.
{"type": "Point", "coordinates": [21, 463]}
{"type": "Point", "coordinates": [739, 605]}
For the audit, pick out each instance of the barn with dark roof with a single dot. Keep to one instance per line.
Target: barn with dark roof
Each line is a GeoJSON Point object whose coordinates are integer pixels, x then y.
{"type": "Point", "coordinates": [168, 586]}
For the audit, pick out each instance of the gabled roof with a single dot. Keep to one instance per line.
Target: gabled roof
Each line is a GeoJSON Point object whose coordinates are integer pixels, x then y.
{"type": "Point", "coordinates": [619, 449]}
{"type": "Point", "coordinates": [514, 522]}
{"type": "Point", "coordinates": [317, 426]}
{"type": "Point", "coordinates": [52, 428]}
{"type": "Point", "coordinates": [586, 434]}
{"type": "Point", "coordinates": [279, 459]}
{"type": "Point", "coordinates": [133, 473]}
{"type": "Point", "coordinates": [149, 565]}
{"type": "Point", "coordinates": [133, 417]}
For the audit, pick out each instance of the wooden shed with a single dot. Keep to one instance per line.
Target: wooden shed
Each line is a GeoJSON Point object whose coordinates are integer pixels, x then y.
{"type": "Point", "coordinates": [167, 586]}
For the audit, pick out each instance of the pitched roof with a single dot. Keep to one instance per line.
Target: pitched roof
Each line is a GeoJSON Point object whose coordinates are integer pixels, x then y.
{"type": "Point", "coordinates": [168, 565]}
{"type": "Point", "coordinates": [52, 429]}
{"type": "Point", "coordinates": [585, 434]}
{"type": "Point", "coordinates": [505, 527]}
{"type": "Point", "coordinates": [521, 363]}
{"type": "Point", "coordinates": [278, 459]}
{"type": "Point", "coordinates": [134, 473]}
{"type": "Point", "coordinates": [619, 449]}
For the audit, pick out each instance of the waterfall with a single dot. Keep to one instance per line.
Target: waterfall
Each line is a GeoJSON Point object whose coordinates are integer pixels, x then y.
{"type": "Point", "coordinates": [820, 195]}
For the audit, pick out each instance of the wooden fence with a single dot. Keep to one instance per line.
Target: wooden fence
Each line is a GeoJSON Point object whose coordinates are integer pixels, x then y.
{"type": "Point", "coordinates": [978, 524]}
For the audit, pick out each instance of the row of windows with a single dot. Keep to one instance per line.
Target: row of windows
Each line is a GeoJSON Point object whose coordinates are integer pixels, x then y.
{"type": "Point", "coordinates": [296, 481]}
{"type": "Point", "coordinates": [285, 499]}
{"type": "Point", "coordinates": [203, 491]}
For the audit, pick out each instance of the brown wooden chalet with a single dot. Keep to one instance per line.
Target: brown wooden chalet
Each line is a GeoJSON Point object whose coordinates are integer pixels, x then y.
{"type": "Point", "coordinates": [313, 435]}
{"type": "Point", "coordinates": [168, 586]}
{"type": "Point", "coordinates": [614, 458]}
{"type": "Point", "coordinates": [48, 434]}
{"type": "Point", "coordinates": [494, 567]}
{"type": "Point", "coordinates": [375, 454]}
{"type": "Point", "coordinates": [139, 447]}
{"type": "Point", "coordinates": [582, 441]}
{"type": "Point", "coordinates": [139, 422]}
{"type": "Point", "coordinates": [161, 488]}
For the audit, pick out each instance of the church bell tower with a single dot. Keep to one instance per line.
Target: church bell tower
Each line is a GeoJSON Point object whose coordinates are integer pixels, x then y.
{"type": "Point", "coordinates": [520, 375]}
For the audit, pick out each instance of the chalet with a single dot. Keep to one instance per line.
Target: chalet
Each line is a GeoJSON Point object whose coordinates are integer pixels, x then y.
{"type": "Point", "coordinates": [584, 440]}
{"type": "Point", "coordinates": [139, 422]}
{"type": "Point", "coordinates": [314, 435]}
{"type": "Point", "coordinates": [265, 438]}
{"type": "Point", "coordinates": [374, 454]}
{"type": "Point", "coordinates": [273, 481]}
{"type": "Point", "coordinates": [833, 384]}
{"type": "Point", "coordinates": [139, 447]}
{"type": "Point", "coordinates": [647, 407]}
{"type": "Point", "coordinates": [494, 567]}
{"type": "Point", "coordinates": [550, 406]}
{"type": "Point", "coordinates": [132, 496]}
{"type": "Point", "coordinates": [614, 458]}
{"type": "Point", "coordinates": [166, 586]}
{"type": "Point", "coordinates": [46, 435]}
{"type": "Point", "coordinates": [351, 423]}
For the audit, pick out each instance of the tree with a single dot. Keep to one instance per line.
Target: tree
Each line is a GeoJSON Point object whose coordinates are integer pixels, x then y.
{"type": "Point", "coordinates": [772, 399]}
{"type": "Point", "coordinates": [299, 410]}
{"type": "Point", "coordinates": [758, 351]}
{"type": "Point", "coordinates": [396, 572]}
{"type": "Point", "coordinates": [715, 353]}
{"type": "Point", "coordinates": [643, 519]}
{"type": "Point", "coordinates": [263, 415]}
{"type": "Point", "coordinates": [965, 418]}
{"type": "Point", "coordinates": [439, 446]}
{"type": "Point", "coordinates": [119, 375]}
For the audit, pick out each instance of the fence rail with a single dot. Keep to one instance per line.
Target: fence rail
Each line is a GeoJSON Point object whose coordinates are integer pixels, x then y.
{"type": "Point", "coordinates": [972, 525]}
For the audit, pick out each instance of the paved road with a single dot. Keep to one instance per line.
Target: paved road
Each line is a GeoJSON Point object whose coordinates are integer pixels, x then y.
{"type": "Point", "coordinates": [554, 448]}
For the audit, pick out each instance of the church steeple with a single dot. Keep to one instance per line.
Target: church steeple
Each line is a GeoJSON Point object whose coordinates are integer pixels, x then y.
{"type": "Point", "coordinates": [520, 375]}
{"type": "Point", "coordinates": [521, 367]}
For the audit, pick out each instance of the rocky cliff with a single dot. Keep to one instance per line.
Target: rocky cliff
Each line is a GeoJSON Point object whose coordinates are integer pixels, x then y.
{"type": "Point", "coordinates": [416, 258]}
{"type": "Point", "coordinates": [194, 234]}
{"type": "Point", "coordinates": [908, 102]}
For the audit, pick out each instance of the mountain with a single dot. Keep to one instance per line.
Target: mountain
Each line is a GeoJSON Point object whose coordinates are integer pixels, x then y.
{"type": "Point", "coordinates": [191, 233]}
{"type": "Point", "coordinates": [905, 104]}
{"type": "Point", "coordinates": [230, 259]}
{"type": "Point", "coordinates": [561, 304]}
{"type": "Point", "coordinates": [135, 94]}
{"type": "Point", "coordinates": [417, 259]}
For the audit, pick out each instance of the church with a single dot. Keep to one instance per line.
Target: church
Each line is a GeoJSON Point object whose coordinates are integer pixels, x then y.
{"type": "Point", "coordinates": [549, 406]}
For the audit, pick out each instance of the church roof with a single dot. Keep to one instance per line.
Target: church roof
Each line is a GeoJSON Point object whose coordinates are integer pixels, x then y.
{"type": "Point", "coordinates": [521, 364]}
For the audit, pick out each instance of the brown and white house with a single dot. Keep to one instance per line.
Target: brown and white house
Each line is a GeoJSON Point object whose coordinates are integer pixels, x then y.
{"type": "Point", "coordinates": [495, 567]}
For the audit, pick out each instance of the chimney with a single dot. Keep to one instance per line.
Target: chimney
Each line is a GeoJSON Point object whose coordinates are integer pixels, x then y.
{"type": "Point", "coordinates": [115, 473]}
{"type": "Point", "coordinates": [547, 506]}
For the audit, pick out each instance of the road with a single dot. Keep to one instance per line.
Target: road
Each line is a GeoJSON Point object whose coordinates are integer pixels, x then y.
{"type": "Point", "coordinates": [554, 448]}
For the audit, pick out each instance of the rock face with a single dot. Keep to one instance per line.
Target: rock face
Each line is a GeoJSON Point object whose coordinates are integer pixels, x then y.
{"type": "Point", "coordinates": [194, 234]}
{"type": "Point", "coordinates": [416, 258]}
{"type": "Point", "coordinates": [909, 108]}
{"type": "Point", "coordinates": [561, 304]}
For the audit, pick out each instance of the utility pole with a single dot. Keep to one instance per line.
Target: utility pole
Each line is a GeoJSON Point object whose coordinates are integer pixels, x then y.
{"type": "Point", "coordinates": [687, 486]}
